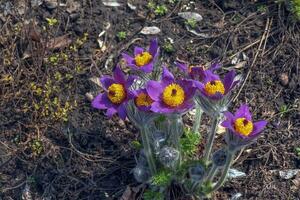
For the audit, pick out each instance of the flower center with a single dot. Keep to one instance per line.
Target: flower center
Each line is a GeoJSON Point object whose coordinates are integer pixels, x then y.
{"type": "Point", "coordinates": [243, 126]}
{"type": "Point", "coordinates": [173, 95]}
{"type": "Point", "coordinates": [143, 59]}
{"type": "Point", "coordinates": [143, 99]}
{"type": "Point", "coordinates": [116, 93]}
{"type": "Point", "coordinates": [213, 87]}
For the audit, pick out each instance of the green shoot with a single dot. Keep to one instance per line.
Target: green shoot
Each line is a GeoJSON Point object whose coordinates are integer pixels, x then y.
{"type": "Point", "coordinates": [150, 195]}
{"type": "Point", "coordinates": [161, 10]}
{"type": "Point", "coordinates": [51, 21]}
{"type": "Point", "coordinates": [121, 35]}
{"type": "Point", "coordinates": [168, 47]}
{"type": "Point", "coordinates": [162, 178]}
{"type": "Point", "coordinates": [189, 143]}
{"type": "Point", "coordinates": [191, 23]}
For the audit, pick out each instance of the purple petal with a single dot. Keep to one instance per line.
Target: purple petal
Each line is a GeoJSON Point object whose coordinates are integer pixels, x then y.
{"type": "Point", "coordinates": [210, 76]}
{"type": "Point", "coordinates": [159, 107]}
{"type": "Point", "coordinates": [153, 47]}
{"type": "Point", "coordinates": [199, 85]}
{"type": "Point", "coordinates": [216, 96]}
{"type": "Point", "coordinates": [188, 88]}
{"type": "Point", "coordinates": [101, 102]}
{"type": "Point", "coordinates": [183, 67]}
{"type": "Point", "coordinates": [167, 75]}
{"type": "Point", "coordinates": [228, 115]}
{"type": "Point", "coordinates": [189, 104]}
{"type": "Point", "coordinates": [258, 127]}
{"type": "Point", "coordinates": [127, 58]}
{"type": "Point", "coordinates": [197, 73]}
{"type": "Point", "coordinates": [106, 81]}
{"type": "Point", "coordinates": [228, 79]}
{"type": "Point", "coordinates": [147, 68]}
{"type": "Point", "coordinates": [214, 66]}
{"type": "Point", "coordinates": [130, 80]}
{"type": "Point", "coordinates": [122, 111]}
{"type": "Point", "coordinates": [243, 111]}
{"type": "Point", "coordinates": [119, 75]}
{"type": "Point", "coordinates": [110, 112]}
{"type": "Point", "coordinates": [154, 89]}
{"type": "Point", "coordinates": [138, 50]}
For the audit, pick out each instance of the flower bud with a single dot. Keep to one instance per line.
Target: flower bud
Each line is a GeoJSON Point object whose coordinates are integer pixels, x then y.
{"type": "Point", "coordinates": [159, 139]}
{"type": "Point", "coordinates": [141, 173]}
{"type": "Point", "coordinates": [197, 173]}
{"type": "Point", "coordinates": [219, 157]}
{"type": "Point", "coordinates": [169, 157]}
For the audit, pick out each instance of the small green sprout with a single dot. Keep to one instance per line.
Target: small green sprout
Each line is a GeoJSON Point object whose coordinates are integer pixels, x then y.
{"type": "Point", "coordinates": [37, 146]}
{"type": "Point", "coordinates": [151, 5]}
{"type": "Point", "coordinates": [297, 151]}
{"type": "Point", "coordinates": [163, 178]}
{"type": "Point", "coordinates": [52, 21]}
{"type": "Point", "coordinates": [150, 195]}
{"type": "Point", "coordinates": [121, 35]}
{"type": "Point", "coordinates": [191, 23]}
{"type": "Point", "coordinates": [283, 110]}
{"type": "Point", "coordinates": [262, 8]}
{"type": "Point", "coordinates": [53, 59]}
{"type": "Point", "coordinates": [189, 143]}
{"type": "Point", "coordinates": [168, 47]}
{"type": "Point", "coordinates": [161, 10]}
{"type": "Point", "coordinates": [296, 8]}
{"type": "Point", "coordinates": [136, 144]}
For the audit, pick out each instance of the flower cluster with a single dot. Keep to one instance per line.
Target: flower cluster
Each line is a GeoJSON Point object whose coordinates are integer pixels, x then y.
{"type": "Point", "coordinates": [165, 143]}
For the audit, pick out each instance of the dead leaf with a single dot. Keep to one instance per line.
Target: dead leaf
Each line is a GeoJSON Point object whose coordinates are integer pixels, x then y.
{"type": "Point", "coordinates": [240, 65]}
{"type": "Point", "coordinates": [151, 30]}
{"type": "Point", "coordinates": [132, 192]}
{"type": "Point", "coordinates": [59, 42]}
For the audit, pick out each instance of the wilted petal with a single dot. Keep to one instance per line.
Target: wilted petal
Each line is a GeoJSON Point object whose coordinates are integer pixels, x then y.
{"type": "Point", "coordinates": [154, 89]}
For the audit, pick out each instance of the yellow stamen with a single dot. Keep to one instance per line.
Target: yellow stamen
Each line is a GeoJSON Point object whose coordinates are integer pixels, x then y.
{"type": "Point", "coordinates": [143, 59]}
{"type": "Point", "coordinates": [116, 93]}
{"type": "Point", "coordinates": [173, 95]}
{"type": "Point", "coordinates": [143, 99]}
{"type": "Point", "coordinates": [243, 126]}
{"type": "Point", "coordinates": [213, 87]}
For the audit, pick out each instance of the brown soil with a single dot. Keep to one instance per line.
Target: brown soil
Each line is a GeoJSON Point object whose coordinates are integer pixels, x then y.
{"type": "Point", "coordinates": [54, 144]}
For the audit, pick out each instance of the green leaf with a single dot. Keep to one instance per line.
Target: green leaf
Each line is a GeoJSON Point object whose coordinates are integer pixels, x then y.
{"type": "Point", "coordinates": [163, 178]}
{"type": "Point", "coordinates": [151, 195]}
{"type": "Point", "coordinates": [189, 143]}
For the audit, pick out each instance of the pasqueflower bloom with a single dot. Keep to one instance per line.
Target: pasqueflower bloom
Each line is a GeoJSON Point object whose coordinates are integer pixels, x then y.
{"type": "Point", "coordinates": [170, 96]}
{"type": "Point", "coordinates": [197, 72]}
{"type": "Point", "coordinates": [143, 60]}
{"type": "Point", "coordinates": [214, 88]}
{"type": "Point", "coordinates": [116, 94]}
{"type": "Point", "coordinates": [142, 100]}
{"type": "Point", "coordinates": [241, 129]}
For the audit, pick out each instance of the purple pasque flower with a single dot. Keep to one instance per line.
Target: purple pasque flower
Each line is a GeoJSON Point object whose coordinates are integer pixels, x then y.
{"type": "Point", "coordinates": [171, 96]}
{"type": "Point", "coordinates": [143, 60]}
{"type": "Point", "coordinates": [197, 72]}
{"type": "Point", "coordinates": [116, 94]}
{"type": "Point", "coordinates": [213, 87]}
{"type": "Point", "coordinates": [241, 129]}
{"type": "Point", "coordinates": [142, 100]}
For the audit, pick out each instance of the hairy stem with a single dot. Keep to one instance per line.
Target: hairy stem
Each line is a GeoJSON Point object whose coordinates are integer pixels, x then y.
{"type": "Point", "coordinates": [211, 174]}
{"type": "Point", "coordinates": [211, 139]}
{"type": "Point", "coordinates": [147, 149]}
{"type": "Point", "coordinates": [197, 119]}
{"type": "Point", "coordinates": [225, 172]}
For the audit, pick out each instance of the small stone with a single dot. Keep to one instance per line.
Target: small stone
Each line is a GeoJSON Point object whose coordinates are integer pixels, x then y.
{"type": "Point", "coordinates": [190, 15]}
{"type": "Point", "coordinates": [50, 4]}
{"type": "Point", "coordinates": [234, 173]}
{"type": "Point", "coordinates": [284, 79]}
{"type": "Point", "coordinates": [288, 174]}
{"type": "Point", "coordinates": [151, 30]}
